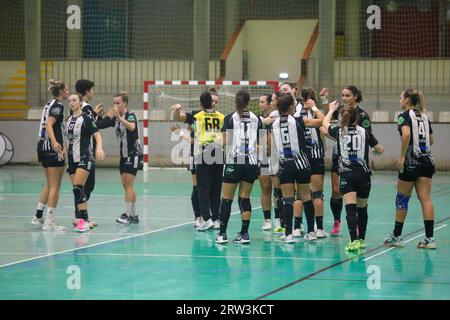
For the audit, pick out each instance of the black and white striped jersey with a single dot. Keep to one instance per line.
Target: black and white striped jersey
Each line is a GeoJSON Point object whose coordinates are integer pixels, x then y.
{"type": "Point", "coordinates": [55, 109]}
{"type": "Point", "coordinates": [353, 147]}
{"type": "Point", "coordinates": [242, 135]}
{"type": "Point", "coordinates": [363, 119]}
{"type": "Point", "coordinates": [130, 145]}
{"type": "Point", "coordinates": [314, 143]}
{"type": "Point", "coordinates": [420, 126]}
{"type": "Point", "coordinates": [288, 133]}
{"type": "Point", "coordinates": [80, 131]}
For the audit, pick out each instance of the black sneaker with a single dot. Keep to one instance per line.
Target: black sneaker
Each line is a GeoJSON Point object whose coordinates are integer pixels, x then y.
{"type": "Point", "coordinates": [124, 219]}
{"type": "Point", "coordinates": [242, 238]}
{"type": "Point", "coordinates": [134, 220]}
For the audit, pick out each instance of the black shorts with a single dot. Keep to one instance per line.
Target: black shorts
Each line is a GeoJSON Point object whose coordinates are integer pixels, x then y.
{"type": "Point", "coordinates": [50, 159]}
{"type": "Point", "coordinates": [358, 182]}
{"type": "Point", "coordinates": [86, 165]}
{"type": "Point", "coordinates": [423, 168]}
{"type": "Point", "coordinates": [191, 166]}
{"type": "Point", "coordinates": [293, 175]}
{"type": "Point", "coordinates": [235, 173]}
{"type": "Point", "coordinates": [130, 165]}
{"type": "Point", "coordinates": [317, 166]}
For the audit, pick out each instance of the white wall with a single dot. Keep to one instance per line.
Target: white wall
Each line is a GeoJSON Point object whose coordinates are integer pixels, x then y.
{"type": "Point", "coordinates": [23, 135]}
{"type": "Point", "coordinates": [273, 46]}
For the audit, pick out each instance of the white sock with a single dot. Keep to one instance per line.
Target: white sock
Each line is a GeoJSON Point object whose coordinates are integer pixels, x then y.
{"type": "Point", "coordinates": [50, 214]}
{"type": "Point", "coordinates": [40, 206]}
{"type": "Point", "coordinates": [128, 208]}
{"type": "Point", "coordinates": [133, 209]}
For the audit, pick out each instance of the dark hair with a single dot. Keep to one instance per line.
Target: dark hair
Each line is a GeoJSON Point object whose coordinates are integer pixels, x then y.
{"type": "Point", "coordinates": [206, 100]}
{"type": "Point", "coordinates": [242, 99]}
{"type": "Point", "coordinates": [83, 85]}
{"type": "Point", "coordinates": [285, 102]}
{"type": "Point", "coordinates": [55, 87]}
{"type": "Point", "coordinates": [268, 97]}
{"type": "Point", "coordinates": [415, 98]}
{"type": "Point", "coordinates": [123, 95]}
{"type": "Point", "coordinates": [308, 93]}
{"type": "Point", "coordinates": [356, 93]}
{"type": "Point", "coordinates": [349, 116]}
{"type": "Point", "coordinates": [213, 92]}
{"type": "Point", "coordinates": [292, 85]}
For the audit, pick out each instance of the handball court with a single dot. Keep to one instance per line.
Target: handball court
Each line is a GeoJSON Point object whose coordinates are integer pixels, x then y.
{"type": "Point", "coordinates": [164, 258]}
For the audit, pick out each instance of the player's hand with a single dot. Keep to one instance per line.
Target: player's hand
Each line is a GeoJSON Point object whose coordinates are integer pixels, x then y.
{"type": "Point", "coordinates": [400, 164]}
{"type": "Point", "coordinates": [334, 105]}
{"type": "Point", "coordinates": [269, 120]}
{"type": "Point", "coordinates": [100, 154]}
{"type": "Point", "coordinates": [110, 113]}
{"type": "Point", "coordinates": [323, 93]}
{"type": "Point", "coordinates": [58, 148]}
{"type": "Point", "coordinates": [116, 112]}
{"type": "Point", "coordinates": [310, 103]}
{"type": "Point", "coordinates": [99, 109]}
{"type": "Point", "coordinates": [176, 107]}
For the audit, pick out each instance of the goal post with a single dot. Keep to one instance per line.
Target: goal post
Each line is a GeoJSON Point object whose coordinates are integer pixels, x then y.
{"type": "Point", "coordinates": [160, 95]}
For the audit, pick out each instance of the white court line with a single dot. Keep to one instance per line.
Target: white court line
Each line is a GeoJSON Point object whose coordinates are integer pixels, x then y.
{"type": "Point", "coordinates": [100, 243]}
{"type": "Point", "coordinates": [195, 256]}
{"type": "Point", "coordinates": [392, 248]}
{"type": "Point", "coordinates": [69, 232]}
{"type": "Point", "coordinates": [96, 195]}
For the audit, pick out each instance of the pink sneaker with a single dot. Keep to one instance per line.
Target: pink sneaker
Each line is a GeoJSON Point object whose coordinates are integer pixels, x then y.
{"type": "Point", "coordinates": [336, 231]}
{"type": "Point", "coordinates": [82, 226]}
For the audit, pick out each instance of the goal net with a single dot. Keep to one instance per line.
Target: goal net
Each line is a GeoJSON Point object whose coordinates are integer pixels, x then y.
{"type": "Point", "coordinates": [159, 96]}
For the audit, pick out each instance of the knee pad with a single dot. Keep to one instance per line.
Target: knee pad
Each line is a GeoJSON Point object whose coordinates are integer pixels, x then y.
{"type": "Point", "coordinates": [317, 195]}
{"type": "Point", "coordinates": [288, 201]}
{"type": "Point", "coordinates": [244, 204]}
{"type": "Point", "coordinates": [401, 202]}
{"type": "Point", "coordinates": [78, 194]}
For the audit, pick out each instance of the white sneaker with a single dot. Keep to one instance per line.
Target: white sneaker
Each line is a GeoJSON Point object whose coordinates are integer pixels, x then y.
{"type": "Point", "coordinates": [287, 239]}
{"type": "Point", "coordinates": [310, 236]}
{"type": "Point", "coordinates": [297, 233]}
{"type": "Point", "coordinates": [206, 225]}
{"type": "Point", "coordinates": [51, 225]}
{"type": "Point", "coordinates": [321, 234]}
{"type": "Point", "coordinates": [221, 238]}
{"type": "Point", "coordinates": [37, 221]}
{"type": "Point", "coordinates": [216, 224]}
{"type": "Point", "coordinates": [197, 222]}
{"type": "Point", "coordinates": [267, 225]}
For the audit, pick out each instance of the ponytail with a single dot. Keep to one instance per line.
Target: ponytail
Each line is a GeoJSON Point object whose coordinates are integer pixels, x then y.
{"type": "Point", "coordinates": [416, 99]}
{"type": "Point", "coordinates": [55, 87]}
{"type": "Point", "coordinates": [242, 99]}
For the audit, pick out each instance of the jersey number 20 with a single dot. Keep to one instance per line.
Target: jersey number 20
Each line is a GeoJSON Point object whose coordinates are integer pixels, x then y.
{"type": "Point", "coordinates": [352, 142]}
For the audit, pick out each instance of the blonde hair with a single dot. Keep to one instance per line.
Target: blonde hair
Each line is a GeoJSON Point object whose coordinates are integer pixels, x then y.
{"type": "Point", "coordinates": [416, 98]}
{"type": "Point", "coordinates": [55, 87]}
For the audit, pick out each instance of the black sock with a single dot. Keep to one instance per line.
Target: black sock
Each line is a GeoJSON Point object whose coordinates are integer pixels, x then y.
{"type": "Point", "coordinates": [429, 226]}
{"type": "Point", "coordinates": [266, 214]}
{"type": "Point", "coordinates": [225, 212]}
{"type": "Point", "coordinates": [288, 213]}
{"type": "Point", "coordinates": [336, 208]}
{"type": "Point", "coordinates": [309, 212]}
{"type": "Point", "coordinates": [398, 228]}
{"type": "Point", "coordinates": [39, 213]}
{"type": "Point", "coordinates": [297, 222]}
{"type": "Point", "coordinates": [277, 213]}
{"type": "Point", "coordinates": [245, 224]}
{"type": "Point", "coordinates": [84, 215]}
{"type": "Point", "coordinates": [362, 222]}
{"type": "Point", "coordinates": [279, 198]}
{"type": "Point", "coordinates": [352, 220]}
{"type": "Point", "coordinates": [194, 202]}
{"type": "Point", "coordinates": [77, 214]}
{"type": "Point", "coordinates": [319, 222]}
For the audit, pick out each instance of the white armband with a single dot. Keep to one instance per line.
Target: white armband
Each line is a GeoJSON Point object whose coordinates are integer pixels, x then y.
{"type": "Point", "coordinates": [324, 100]}
{"type": "Point", "coordinates": [315, 109]}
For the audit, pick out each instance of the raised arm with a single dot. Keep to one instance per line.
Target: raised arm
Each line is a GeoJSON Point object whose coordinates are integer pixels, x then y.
{"type": "Point", "coordinates": [178, 113]}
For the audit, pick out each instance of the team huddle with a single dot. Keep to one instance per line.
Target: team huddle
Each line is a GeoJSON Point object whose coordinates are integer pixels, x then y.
{"type": "Point", "coordinates": [83, 146]}
{"type": "Point", "coordinates": [283, 147]}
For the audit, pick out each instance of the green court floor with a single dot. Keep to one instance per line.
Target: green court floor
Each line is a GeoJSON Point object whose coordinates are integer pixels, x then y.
{"type": "Point", "coordinates": [164, 258]}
